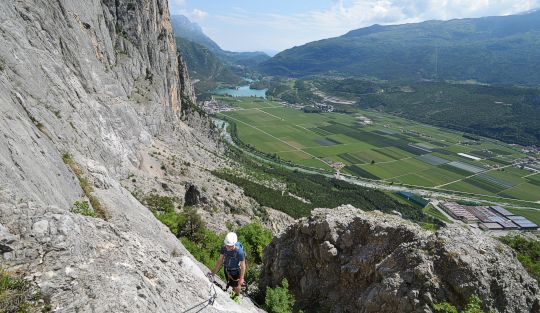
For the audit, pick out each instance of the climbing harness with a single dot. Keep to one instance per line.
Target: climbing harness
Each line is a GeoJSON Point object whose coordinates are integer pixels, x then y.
{"type": "Point", "coordinates": [229, 278]}
{"type": "Point", "coordinates": [245, 293]}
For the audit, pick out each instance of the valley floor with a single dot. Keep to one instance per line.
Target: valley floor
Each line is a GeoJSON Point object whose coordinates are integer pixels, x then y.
{"type": "Point", "coordinates": [388, 152]}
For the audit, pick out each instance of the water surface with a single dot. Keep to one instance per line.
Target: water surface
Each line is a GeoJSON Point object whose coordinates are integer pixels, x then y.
{"type": "Point", "coordinates": [241, 91]}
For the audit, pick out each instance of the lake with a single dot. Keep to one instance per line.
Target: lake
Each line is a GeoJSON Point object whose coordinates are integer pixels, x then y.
{"type": "Point", "coordinates": [242, 91]}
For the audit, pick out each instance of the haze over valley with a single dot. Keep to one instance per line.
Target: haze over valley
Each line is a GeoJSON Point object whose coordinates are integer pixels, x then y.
{"type": "Point", "coordinates": [321, 156]}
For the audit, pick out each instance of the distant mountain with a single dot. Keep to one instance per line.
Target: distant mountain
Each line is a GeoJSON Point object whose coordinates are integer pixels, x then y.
{"type": "Point", "coordinates": [184, 28]}
{"type": "Point", "coordinates": [205, 66]}
{"type": "Point", "coordinates": [247, 59]}
{"type": "Point", "coordinates": [203, 63]}
{"type": "Point", "coordinates": [503, 50]}
{"type": "Point", "coordinates": [271, 53]}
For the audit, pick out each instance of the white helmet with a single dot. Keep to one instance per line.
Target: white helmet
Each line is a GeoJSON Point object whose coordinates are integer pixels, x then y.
{"type": "Point", "coordinates": [230, 239]}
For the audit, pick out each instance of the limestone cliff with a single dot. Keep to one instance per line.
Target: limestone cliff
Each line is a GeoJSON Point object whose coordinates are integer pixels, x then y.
{"type": "Point", "coordinates": [86, 88]}
{"type": "Point", "coordinates": [346, 260]}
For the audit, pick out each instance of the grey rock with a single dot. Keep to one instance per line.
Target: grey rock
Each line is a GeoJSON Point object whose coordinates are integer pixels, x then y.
{"type": "Point", "coordinates": [40, 228]}
{"type": "Point", "coordinates": [277, 221]}
{"type": "Point", "coordinates": [347, 260]}
{"type": "Point", "coordinates": [166, 187]}
{"type": "Point", "coordinates": [186, 87]}
{"type": "Point", "coordinates": [98, 81]}
{"type": "Point", "coordinates": [7, 241]}
{"type": "Point", "coordinates": [192, 196]}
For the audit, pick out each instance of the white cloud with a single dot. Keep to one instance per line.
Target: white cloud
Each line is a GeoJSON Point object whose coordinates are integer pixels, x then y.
{"type": "Point", "coordinates": [365, 12]}
{"type": "Point", "coordinates": [177, 3]}
{"type": "Point", "coordinates": [198, 14]}
{"type": "Point", "coordinates": [282, 31]}
{"type": "Point", "coordinates": [176, 6]}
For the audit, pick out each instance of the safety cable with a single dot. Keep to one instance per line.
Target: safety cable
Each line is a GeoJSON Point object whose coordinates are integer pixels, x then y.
{"type": "Point", "coordinates": [213, 292]}
{"type": "Point", "coordinates": [205, 303]}
{"type": "Point", "coordinates": [213, 296]}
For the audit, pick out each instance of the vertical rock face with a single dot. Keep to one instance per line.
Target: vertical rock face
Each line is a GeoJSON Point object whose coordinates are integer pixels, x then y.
{"type": "Point", "coordinates": [187, 91]}
{"type": "Point", "coordinates": [91, 82]}
{"type": "Point", "coordinates": [95, 77]}
{"type": "Point", "coordinates": [345, 260]}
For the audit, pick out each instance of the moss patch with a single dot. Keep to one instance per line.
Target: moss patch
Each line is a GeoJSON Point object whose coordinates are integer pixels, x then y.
{"type": "Point", "coordinates": [86, 186]}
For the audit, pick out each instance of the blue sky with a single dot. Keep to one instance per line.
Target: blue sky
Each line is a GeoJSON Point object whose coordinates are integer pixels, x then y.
{"type": "Point", "coordinates": [249, 25]}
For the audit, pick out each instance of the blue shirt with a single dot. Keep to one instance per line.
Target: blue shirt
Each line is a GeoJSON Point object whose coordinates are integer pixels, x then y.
{"type": "Point", "coordinates": [233, 257]}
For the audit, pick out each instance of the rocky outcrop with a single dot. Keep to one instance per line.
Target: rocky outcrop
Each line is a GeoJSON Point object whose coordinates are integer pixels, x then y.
{"type": "Point", "coordinates": [186, 90]}
{"type": "Point", "coordinates": [86, 88]}
{"type": "Point", "coordinates": [278, 221]}
{"type": "Point", "coordinates": [192, 196]}
{"type": "Point", "coordinates": [346, 260]}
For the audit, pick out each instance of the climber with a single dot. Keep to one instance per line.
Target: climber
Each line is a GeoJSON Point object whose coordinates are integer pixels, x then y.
{"type": "Point", "coordinates": [233, 258]}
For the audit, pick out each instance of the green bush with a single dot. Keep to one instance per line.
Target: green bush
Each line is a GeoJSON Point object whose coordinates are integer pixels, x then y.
{"type": "Point", "coordinates": [528, 253]}
{"type": "Point", "coordinates": [206, 251]}
{"type": "Point", "coordinates": [16, 294]}
{"type": "Point", "coordinates": [83, 208]}
{"type": "Point", "coordinates": [279, 299]}
{"type": "Point", "coordinates": [206, 248]}
{"type": "Point", "coordinates": [445, 307]}
{"type": "Point", "coordinates": [188, 223]}
{"type": "Point", "coordinates": [474, 306]}
{"type": "Point", "coordinates": [159, 203]}
{"type": "Point", "coordinates": [254, 237]}
{"type": "Point", "coordinates": [191, 225]}
{"type": "Point", "coordinates": [170, 219]}
{"type": "Point", "coordinates": [205, 245]}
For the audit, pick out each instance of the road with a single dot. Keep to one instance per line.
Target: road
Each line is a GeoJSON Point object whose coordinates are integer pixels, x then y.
{"type": "Point", "coordinates": [438, 194]}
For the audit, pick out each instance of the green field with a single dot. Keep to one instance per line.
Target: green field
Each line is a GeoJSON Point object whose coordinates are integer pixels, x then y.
{"type": "Point", "coordinates": [390, 149]}
{"type": "Point", "coordinates": [429, 209]}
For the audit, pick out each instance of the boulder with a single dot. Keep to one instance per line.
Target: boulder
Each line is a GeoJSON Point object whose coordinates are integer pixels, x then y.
{"type": "Point", "coordinates": [192, 196]}
{"type": "Point", "coordinates": [347, 260]}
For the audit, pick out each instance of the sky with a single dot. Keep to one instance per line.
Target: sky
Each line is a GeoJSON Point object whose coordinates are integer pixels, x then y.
{"type": "Point", "coordinates": [276, 25]}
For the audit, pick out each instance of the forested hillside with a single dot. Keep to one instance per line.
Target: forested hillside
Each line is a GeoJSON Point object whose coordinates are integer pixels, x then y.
{"type": "Point", "coordinates": [205, 67]}
{"type": "Point", "coordinates": [208, 64]}
{"type": "Point", "coordinates": [498, 50]}
{"type": "Point", "coordinates": [509, 114]}
{"type": "Point", "coordinates": [186, 29]}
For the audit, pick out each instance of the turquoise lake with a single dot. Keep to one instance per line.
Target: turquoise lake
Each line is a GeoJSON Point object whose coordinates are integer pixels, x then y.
{"type": "Point", "coordinates": [242, 91]}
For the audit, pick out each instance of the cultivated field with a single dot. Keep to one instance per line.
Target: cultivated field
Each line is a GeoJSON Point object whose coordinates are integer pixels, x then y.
{"type": "Point", "coordinates": [389, 148]}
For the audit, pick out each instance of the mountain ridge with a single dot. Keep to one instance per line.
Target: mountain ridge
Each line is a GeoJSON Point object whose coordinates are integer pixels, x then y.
{"type": "Point", "coordinates": [205, 66]}
{"type": "Point", "coordinates": [210, 65]}
{"type": "Point", "coordinates": [184, 28]}
{"type": "Point", "coordinates": [488, 49]}
{"type": "Point", "coordinates": [193, 32]}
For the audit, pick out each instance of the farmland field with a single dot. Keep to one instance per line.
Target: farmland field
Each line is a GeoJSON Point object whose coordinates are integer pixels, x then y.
{"type": "Point", "coordinates": [388, 148]}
